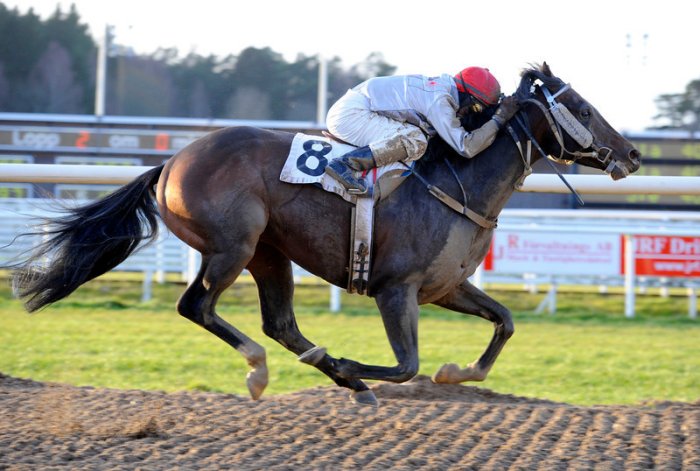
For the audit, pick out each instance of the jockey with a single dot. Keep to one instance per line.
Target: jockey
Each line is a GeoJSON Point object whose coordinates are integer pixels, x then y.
{"type": "Point", "coordinates": [392, 118]}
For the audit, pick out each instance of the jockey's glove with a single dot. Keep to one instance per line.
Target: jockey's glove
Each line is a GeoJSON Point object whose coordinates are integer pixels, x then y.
{"type": "Point", "coordinates": [508, 107]}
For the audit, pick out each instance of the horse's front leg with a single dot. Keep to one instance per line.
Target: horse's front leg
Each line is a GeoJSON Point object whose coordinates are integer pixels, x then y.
{"type": "Point", "coordinates": [399, 309]}
{"type": "Point", "coordinates": [468, 299]}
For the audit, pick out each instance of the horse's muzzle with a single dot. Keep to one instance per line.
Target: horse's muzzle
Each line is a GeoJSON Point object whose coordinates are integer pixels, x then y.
{"type": "Point", "coordinates": [619, 170]}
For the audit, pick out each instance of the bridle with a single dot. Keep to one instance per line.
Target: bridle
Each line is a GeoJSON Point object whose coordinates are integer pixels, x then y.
{"type": "Point", "coordinates": [559, 117]}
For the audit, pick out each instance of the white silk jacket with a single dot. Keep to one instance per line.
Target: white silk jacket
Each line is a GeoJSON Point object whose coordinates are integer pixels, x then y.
{"type": "Point", "coordinates": [430, 103]}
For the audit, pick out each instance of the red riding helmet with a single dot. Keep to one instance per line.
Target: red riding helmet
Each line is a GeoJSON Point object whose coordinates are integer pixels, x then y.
{"type": "Point", "coordinates": [480, 83]}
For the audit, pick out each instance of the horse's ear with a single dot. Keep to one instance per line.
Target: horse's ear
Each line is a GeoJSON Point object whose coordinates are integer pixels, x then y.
{"type": "Point", "coordinates": [546, 70]}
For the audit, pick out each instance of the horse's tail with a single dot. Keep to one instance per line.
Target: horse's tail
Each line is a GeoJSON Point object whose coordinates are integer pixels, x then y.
{"type": "Point", "coordinates": [87, 242]}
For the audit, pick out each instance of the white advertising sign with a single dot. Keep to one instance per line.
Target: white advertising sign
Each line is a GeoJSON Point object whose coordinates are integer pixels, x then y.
{"type": "Point", "coordinates": [555, 254]}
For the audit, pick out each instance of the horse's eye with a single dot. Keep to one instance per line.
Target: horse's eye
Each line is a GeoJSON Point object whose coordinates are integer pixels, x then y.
{"type": "Point", "coordinates": [586, 113]}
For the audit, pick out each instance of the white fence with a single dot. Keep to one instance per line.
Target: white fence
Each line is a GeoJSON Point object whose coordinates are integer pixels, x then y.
{"type": "Point", "coordinates": [541, 183]}
{"type": "Point", "coordinates": [171, 255]}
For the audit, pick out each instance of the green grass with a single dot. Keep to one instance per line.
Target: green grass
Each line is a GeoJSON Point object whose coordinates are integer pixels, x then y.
{"type": "Point", "coordinates": [588, 353]}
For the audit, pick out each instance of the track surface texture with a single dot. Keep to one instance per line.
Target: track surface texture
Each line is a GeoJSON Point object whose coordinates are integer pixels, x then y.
{"type": "Point", "coordinates": [419, 425]}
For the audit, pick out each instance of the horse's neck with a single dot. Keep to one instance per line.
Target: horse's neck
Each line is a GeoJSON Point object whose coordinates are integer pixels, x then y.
{"type": "Point", "coordinates": [488, 178]}
{"type": "Point", "coordinates": [491, 182]}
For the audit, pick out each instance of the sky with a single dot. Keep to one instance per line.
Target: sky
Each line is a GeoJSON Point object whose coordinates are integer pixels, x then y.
{"type": "Point", "coordinates": [618, 54]}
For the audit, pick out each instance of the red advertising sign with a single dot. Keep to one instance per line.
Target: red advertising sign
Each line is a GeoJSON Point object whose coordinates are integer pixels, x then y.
{"type": "Point", "coordinates": [672, 256]}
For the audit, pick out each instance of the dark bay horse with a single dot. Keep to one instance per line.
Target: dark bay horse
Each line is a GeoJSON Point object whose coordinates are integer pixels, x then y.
{"type": "Point", "coordinates": [222, 196]}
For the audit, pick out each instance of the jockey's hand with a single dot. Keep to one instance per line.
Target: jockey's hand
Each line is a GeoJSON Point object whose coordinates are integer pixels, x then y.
{"type": "Point", "coordinates": [508, 107]}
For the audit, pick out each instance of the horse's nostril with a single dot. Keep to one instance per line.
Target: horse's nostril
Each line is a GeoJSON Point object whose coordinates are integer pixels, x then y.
{"type": "Point", "coordinates": [635, 155]}
{"type": "Point", "coordinates": [636, 159]}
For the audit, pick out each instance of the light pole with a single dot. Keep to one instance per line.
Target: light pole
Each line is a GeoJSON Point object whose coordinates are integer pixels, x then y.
{"type": "Point", "coordinates": [101, 80]}
{"type": "Point", "coordinates": [322, 97]}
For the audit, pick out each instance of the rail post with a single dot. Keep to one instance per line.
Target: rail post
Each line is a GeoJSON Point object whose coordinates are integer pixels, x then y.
{"type": "Point", "coordinates": [629, 276]}
{"type": "Point", "coordinates": [335, 299]}
{"type": "Point", "coordinates": [692, 301]}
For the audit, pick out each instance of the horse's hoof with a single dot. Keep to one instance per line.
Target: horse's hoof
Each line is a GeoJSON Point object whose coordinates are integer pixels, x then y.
{"type": "Point", "coordinates": [257, 382]}
{"type": "Point", "coordinates": [313, 356]}
{"type": "Point", "coordinates": [447, 374]}
{"type": "Point", "coordinates": [364, 398]}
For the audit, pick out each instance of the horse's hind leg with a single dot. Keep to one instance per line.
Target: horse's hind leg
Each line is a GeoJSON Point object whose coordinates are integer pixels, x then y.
{"type": "Point", "coordinates": [272, 272]}
{"type": "Point", "coordinates": [468, 299]}
{"type": "Point", "coordinates": [198, 302]}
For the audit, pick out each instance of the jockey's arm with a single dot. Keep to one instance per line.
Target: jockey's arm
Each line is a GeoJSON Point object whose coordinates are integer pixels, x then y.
{"type": "Point", "coordinates": [443, 117]}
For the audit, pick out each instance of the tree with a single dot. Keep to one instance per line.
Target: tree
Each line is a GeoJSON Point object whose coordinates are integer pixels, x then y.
{"type": "Point", "coordinates": [681, 110]}
{"type": "Point", "coordinates": [52, 83]}
{"type": "Point", "coordinates": [67, 30]}
{"type": "Point", "coordinates": [262, 70]}
{"type": "Point", "coordinates": [199, 106]}
{"type": "Point", "coordinates": [21, 42]}
{"type": "Point", "coordinates": [25, 40]}
{"type": "Point", "coordinates": [249, 102]}
{"type": "Point", "coordinates": [140, 87]}
{"type": "Point", "coordinates": [302, 88]}
{"type": "Point", "coordinates": [49, 66]}
{"type": "Point", "coordinates": [201, 85]}
{"type": "Point", "coordinates": [4, 88]}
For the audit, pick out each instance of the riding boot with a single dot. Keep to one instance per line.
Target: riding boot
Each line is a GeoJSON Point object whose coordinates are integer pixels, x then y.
{"type": "Point", "coordinates": [342, 169]}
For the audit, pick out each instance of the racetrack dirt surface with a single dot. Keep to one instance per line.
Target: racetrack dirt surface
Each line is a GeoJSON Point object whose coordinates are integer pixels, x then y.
{"type": "Point", "coordinates": [419, 425]}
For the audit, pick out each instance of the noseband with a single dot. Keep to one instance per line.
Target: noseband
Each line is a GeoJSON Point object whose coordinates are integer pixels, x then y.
{"type": "Point", "coordinates": [559, 116]}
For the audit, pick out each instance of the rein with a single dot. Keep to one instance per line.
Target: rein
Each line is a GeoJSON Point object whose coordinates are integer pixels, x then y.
{"type": "Point", "coordinates": [558, 116]}
{"type": "Point", "coordinates": [449, 201]}
{"type": "Point", "coordinates": [527, 158]}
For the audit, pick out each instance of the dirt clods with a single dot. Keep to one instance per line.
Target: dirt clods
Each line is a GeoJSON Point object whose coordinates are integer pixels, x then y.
{"type": "Point", "coordinates": [418, 425]}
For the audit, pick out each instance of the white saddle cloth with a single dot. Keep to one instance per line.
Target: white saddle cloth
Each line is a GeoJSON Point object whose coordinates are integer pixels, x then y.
{"type": "Point", "coordinates": [309, 155]}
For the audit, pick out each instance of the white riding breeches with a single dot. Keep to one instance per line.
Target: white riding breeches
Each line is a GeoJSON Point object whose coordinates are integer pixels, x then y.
{"type": "Point", "coordinates": [351, 120]}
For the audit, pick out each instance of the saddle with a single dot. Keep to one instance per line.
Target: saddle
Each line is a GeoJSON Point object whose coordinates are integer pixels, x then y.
{"type": "Point", "coordinates": [305, 164]}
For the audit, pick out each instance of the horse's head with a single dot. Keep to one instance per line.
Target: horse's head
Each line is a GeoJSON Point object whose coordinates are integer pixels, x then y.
{"type": "Point", "coordinates": [569, 129]}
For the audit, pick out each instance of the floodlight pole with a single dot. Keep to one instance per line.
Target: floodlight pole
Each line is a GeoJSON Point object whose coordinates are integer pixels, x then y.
{"type": "Point", "coordinates": [101, 79]}
{"type": "Point", "coordinates": [322, 97]}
